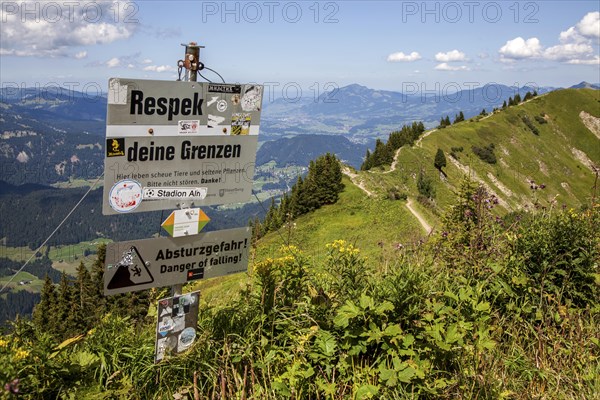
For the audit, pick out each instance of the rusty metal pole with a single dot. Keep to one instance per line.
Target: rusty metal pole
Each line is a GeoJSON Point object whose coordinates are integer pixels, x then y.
{"type": "Point", "coordinates": [191, 61]}
{"type": "Point", "coordinates": [192, 64]}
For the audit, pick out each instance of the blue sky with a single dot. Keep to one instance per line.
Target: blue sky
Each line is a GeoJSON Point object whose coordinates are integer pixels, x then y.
{"type": "Point", "coordinates": [394, 45]}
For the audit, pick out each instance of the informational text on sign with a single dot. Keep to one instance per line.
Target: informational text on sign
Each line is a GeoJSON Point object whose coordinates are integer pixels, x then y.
{"type": "Point", "coordinates": [175, 143]}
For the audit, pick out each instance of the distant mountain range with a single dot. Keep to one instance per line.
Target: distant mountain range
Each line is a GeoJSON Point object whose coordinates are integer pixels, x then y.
{"type": "Point", "coordinates": [361, 113]}
{"type": "Point", "coordinates": [586, 85]}
{"type": "Point", "coordinates": [52, 134]}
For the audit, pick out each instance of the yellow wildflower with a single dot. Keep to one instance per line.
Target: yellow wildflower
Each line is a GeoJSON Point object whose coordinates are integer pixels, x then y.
{"type": "Point", "coordinates": [20, 354]}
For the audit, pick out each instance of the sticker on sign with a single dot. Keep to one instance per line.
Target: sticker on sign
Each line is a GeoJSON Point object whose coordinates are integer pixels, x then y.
{"type": "Point", "coordinates": [125, 195]}
{"type": "Point", "coordinates": [179, 193]}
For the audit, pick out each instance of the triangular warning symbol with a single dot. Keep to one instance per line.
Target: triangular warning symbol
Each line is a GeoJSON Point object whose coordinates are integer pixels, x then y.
{"type": "Point", "coordinates": [131, 271]}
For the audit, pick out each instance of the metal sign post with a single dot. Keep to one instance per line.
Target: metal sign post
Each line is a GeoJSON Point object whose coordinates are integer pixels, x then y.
{"type": "Point", "coordinates": [192, 65]}
{"type": "Point", "coordinates": [177, 145]}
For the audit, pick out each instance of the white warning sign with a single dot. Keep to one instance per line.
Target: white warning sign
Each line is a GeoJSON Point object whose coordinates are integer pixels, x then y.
{"type": "Point", "coordinates": [165, 261]}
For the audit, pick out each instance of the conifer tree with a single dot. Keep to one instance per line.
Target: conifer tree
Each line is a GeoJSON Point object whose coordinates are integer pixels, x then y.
{"type": "Point", "coordinates": [442, 123]}
{"type": "Point", "coordinates": [366, 165]}
{"type": "Point", "coordinates": [440, 160]}
{"type": "Point", "coordinates": [64, 307]}
{"type": "Point", "coordinates": [298, 200]}
{"type": "Point", "coordinates": [459, 118]}
{"type": "Point", "coordinates": [310, 190]}
{"type": "Point", "coordinates": [136, 305]}
{"type": "Point", "coordinates": [329, 178]}
{"type": "Point", "coordinates": [269, 221]}
{"type": "Point", "coordinates": [379, 154]}
{"type": "Point", "coordinates": [43, 312]}
{"type": "Point", "coordinates": [82, 296]}
{"type": "Point", "coordinates": [97, 284]}
{"type": "Point", "coordinates": [283, 211]}
{"type": "Point", "coordinates": [420, 128]}
{"type": "Point", "coordinates": [517, 99]}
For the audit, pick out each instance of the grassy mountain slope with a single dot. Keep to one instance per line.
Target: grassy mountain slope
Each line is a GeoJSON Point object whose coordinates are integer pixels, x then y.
{"type": "Point", "coordinates": [377, 225]}
{"type": "Point", "coordinates": [559, 157]}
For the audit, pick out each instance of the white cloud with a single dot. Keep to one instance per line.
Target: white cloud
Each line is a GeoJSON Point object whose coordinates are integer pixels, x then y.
{"type": "Point", "coordinates": [448, 67]}
{"type": "Point", "coordinates": [401, 57]}
{"type": "Point", "coordinates": [81, 55]}
{"type": "Point", "coordinates": [520, 48]}
{"type": "Point", "coordinates": [113, 62]}
{"type": "Point", "coordinates": [571, 35]}
{"type": "Point", "coordinates": [99, 34]}
{"type": "Point", "coordinates": [53, 31]}
{"type": "Point", "coordinates": [576, 45]}
{"type": "Point", "coordinates": [159, 68]}
{"type": "Point", "coordinates": [132, 61]}
{"type": "Point", "coordinates": [450, 56]}
{"type": "Point", "coordinates": [589, 26]}
{"type": "Point", "coordinates": [568, 51]}
{"type": "Point", "coordinates": [592, 61]}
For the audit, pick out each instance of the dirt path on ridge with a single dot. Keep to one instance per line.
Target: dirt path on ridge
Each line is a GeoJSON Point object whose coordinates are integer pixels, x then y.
{"type": "Point", "coordinates": [394, 163]}
{"type": "Point", "coordinates": [418, 216]}
{"type": "Point", "coordinates": [354, 178]}
{"type": "Point", "coordinates": [418, 144]}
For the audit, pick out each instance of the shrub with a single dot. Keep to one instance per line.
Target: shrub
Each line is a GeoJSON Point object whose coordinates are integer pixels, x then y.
{"type": "Point", "coordinates": [530, 125]}
{"type": "Point", "coordinates": [556, 255]}
{"type": "Point", "coordinates": [485, 153]}
{"type": "Point", "coordinates": [425, 186]}
{"type": "Point", "coordinates": [395, 194]}
{"type": "Point", "coordinates": [454, 151]}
